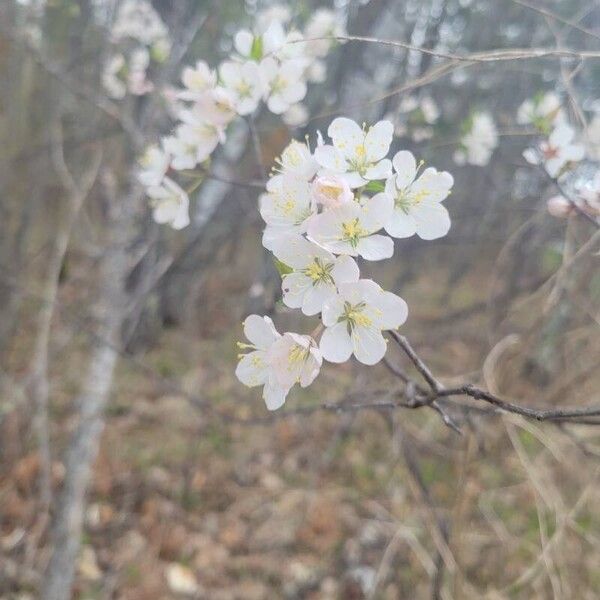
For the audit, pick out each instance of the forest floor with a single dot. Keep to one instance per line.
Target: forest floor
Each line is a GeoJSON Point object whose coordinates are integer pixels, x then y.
{"type": "Point", "coordinates": [187, 501]}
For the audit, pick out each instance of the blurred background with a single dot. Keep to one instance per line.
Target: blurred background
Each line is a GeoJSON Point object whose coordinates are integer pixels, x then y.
{"type": "Point", "coordinates": [134, 465]}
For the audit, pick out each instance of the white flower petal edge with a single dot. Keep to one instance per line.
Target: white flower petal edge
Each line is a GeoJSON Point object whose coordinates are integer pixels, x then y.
{"type": "Point", "coordinates": [351, 228]}
{"type": "Point", "coordinates": [417, 207]}
{"type": "Point", "coordinates": [315, 275]}
{"type": "Point", "coordinates": [276, 361]}
{"type": "Point", "coordinates": [355, 319]}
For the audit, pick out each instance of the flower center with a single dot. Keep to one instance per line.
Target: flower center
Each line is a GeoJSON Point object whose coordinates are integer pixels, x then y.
{"type": "Point", "coordinates": [244, 89]}
{"type": "Point", "coordinates": [319, 272]}
{"type": "Point", "coordinates": [352, 232]}
{"type": "Point", "coordinates": [278, 84]}
{"type": "Point", "coordinates": [297, 354]}
{"type": "Point", "coordinates": [354, 315]}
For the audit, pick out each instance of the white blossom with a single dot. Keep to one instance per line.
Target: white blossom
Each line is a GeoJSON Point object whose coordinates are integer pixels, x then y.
{"type": "Point", "coordinates": [417, 200]}
{"type": "Point", "coordinates": [354, 320]}
{"type": "Point", "coordinates": [315, 275]}
{"type": "Point", "coordinates": [276, 361]}
{"type": "Point", "coordinates": [542, 111]}
{"type": "Point", "coordinates": [297, 159]}
{"type": "Point", "coordinates": [556, 152]}
{"type": "Point", "coordinates": [589, 195]}
{"type": "Point", "coordinates": [479, 142]}
{"type": "Point", "coordinates": [257, 45]}
{"type": "Point", "coordinates": [283, 84]}
{"type": "Point", "coordinates": [154, 165]}
{"type": "Point", "coordinates": [243, 82]}
{"type": "Point", "coordinates": [322, 24]}
{"type": "Point", "coordinates": [170, 204]}
{"type": "Point", "coordinates": [217, 106]}
{"type": "Point", "coordinates": [137, 19]}
{"type": "Point", "coordinates": [351, 228]}
{"type": "Point", "coordinates": [357, 154]}
{"type": "Point", "coordinates": [286, 207]}
{"type": "Point", "coordinates": [182, 149]}
{"type": "Point", "coordinates": [198, 133]}
{"type": "Point", "coordinates": [197, 81]}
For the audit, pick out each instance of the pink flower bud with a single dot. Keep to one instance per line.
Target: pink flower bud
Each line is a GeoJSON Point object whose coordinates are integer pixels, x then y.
{"type": "Point", "coordinates": [331, 191]}
{"type": "Point", "coordinates": [559, 207]}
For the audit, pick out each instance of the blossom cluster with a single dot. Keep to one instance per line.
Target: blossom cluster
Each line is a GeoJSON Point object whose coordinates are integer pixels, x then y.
{"type": "Point", "coordinates": [138, 36]}
{"type": "Point", "coordinates": [559, 148]}
{"type": "Point", "coordinates": [269, 65]}
{"type": "Point", "coordinates": [324, 210]}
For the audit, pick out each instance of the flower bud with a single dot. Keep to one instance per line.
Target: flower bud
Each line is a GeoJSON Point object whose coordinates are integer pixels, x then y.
{"type": "Point", "coordinates": [331, 191]}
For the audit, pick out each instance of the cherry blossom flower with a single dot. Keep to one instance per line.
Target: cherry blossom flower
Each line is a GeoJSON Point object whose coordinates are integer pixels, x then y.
{"type": "Point", "coordinates": [243, 81]}
{"type": "Point", "coordinates": [217, 106]}
{"type": "Point", "coordinates": [557, 152]}
{"type": "Point", "coordinates": [182, 149]}
{"type": "Point", "coordinates": [137, 19]}
{"type": "Point", "coordinates": [294, 358]}
{"type": "Point", "coordinates": [297, 159]}
{"type": "Point", "coordinates": [253, 368]}
{"type": "Point", "coordinates": [331, 191]}
{"type": "Point", "coordinates": [357, 154]}
{"type": "Point", "coordinates": [323, 23]}
{"type": "Point", "coordinates": [197, 81]}
{"type": "Point", "coordinates": [315, 273]}
{"type": "Point", "coordinates": [286, 208]}
{"type": "Point", "coordinates": [255, 46]}
{"type": "Point", "coordinates": [543, 111]}
{"type": "Point", "coordinates": [196, 132]}
{"type": "Point", "coordinates": [276, 361]}
{"type": "Point", "coordinates": [354, 320]}
{"type": "Point", "coordinates": [417, 200]}
{"type": "Point", "coordinates": [351, 228]}
{"type": "Point", "coordinates": [479, 142]}
{"type": "Point", "coordinates": [283, 84]}
{"type": "Point", "coordinates": [170, 204]}
{"type": "Point", "coordinates": [154, 165]}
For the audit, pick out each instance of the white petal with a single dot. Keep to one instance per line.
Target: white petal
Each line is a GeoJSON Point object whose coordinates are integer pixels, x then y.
{"type": "Point", "coordinates": [401, 224]}
{"type": "Point", "coordinates": [345, 270]}
{"type": "Point", "coordinates": [347, 136]}
{"type": "Point", "coordinates": [332, 311]}
{"type": "Point", "coordinates": [369, 345]}
{"type": "Point", "coordinates": [375, 247]}
{"type": "Point", "coordinates": [311, 368]}
{"type": "Point", "coordinates": [316, 296]}
{"type": "Point", "coordinates": [274, 395]}
{"type": "Point", "coordinates": [330, 158]}
{"type": "Point", "coordinates": [376, 212]}
{"type": "Point", "coordinates": [432, 219]}
{"type": "Point", "coordinates": [335, 345]}
{"type": "Point", "coordinates": [252, 370]}
{"type": "Point", "coordinates": [295, 286]}
{"type": "Point", "coordinates": [243, 42]}
{"type": "Point", "coordinates": [353, 179]}
{"type": "Point", "coordinates": [296, 251]}
{"type": "Point", "coordinates": [378, 140]}
{"type": "Point", "coordinates": [390, 311]}
{"type": "Point", "coordinates": [575, 152]}
{"type": "Point", "coordinates": [380, 170]}
{"type": "Point", "coordinates": [405, 166]}
{"type": "Point", "coordinates": [260, 331]}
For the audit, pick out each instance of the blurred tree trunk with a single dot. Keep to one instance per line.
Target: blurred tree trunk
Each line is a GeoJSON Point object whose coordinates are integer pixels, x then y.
{"type": "Point", "coordinates": [83, 447]}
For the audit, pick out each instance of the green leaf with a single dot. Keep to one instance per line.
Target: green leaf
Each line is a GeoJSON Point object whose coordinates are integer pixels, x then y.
{"type": "Point", "coordinates": [256, 52]}
{"type": "Point", "coordinates": [375, 186]}
{"type": "Point", "coordinates": [281, 267]}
